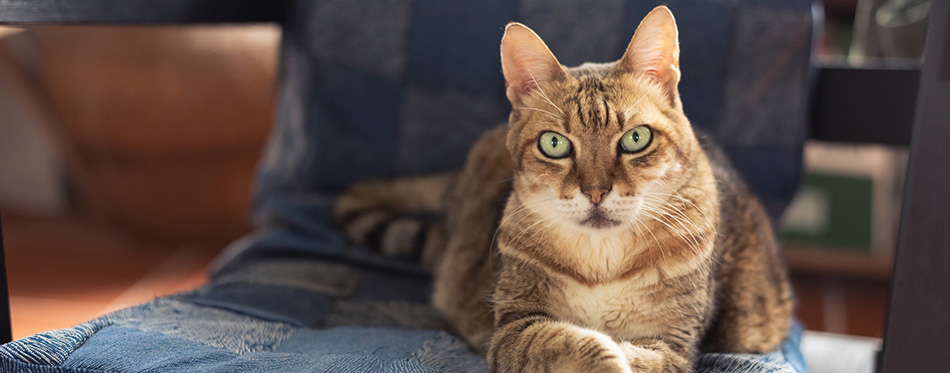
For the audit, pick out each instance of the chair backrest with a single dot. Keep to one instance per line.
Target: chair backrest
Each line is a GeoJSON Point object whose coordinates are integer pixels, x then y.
{"type": "Point", "coordinates": [385, 88]}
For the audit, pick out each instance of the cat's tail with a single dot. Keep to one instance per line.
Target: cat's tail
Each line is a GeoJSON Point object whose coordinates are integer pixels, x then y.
{"type": "Point", "coordinates": [399, 217]}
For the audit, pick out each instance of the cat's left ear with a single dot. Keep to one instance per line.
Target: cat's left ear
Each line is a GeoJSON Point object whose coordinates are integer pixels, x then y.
{"type": "Point", "coordinates": [654, 50]}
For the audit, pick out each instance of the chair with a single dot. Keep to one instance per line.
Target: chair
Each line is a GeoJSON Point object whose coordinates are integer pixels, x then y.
{"type": "Point", "coordinates": [295, 286]}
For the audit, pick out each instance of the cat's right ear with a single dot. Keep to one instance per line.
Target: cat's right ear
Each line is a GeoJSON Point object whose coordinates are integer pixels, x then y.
{"type": "Point", "coordinates": [526, 62]}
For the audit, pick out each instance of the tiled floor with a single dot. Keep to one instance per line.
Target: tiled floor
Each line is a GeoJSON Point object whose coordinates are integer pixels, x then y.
{"type": "Point", "coordinates": [66, 270]}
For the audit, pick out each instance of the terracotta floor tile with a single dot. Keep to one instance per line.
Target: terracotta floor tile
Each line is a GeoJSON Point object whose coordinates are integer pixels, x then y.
{"type": "Point", "coordinates": [62, 273]}
{"type": "Point", "coordinates": [72, 232]}
{"type": "Point", "coordinates": [35, 315]}
{"type": "Point", "coordinates": [183, 270]}
{"type": "Point", "coordinates": [66, 270]}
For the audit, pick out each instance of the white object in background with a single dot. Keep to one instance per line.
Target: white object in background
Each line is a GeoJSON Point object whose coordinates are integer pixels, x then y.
{"type": "Point", "coordinates": [30, 165]}
{"type": "Point", "coordinates": [838, 353]}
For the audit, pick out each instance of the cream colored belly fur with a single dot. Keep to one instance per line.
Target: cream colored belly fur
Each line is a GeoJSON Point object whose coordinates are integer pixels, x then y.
{"type": "Point", "coordinates": [620, 309]}
{"type": "Point", "coordinates": [624, 309]}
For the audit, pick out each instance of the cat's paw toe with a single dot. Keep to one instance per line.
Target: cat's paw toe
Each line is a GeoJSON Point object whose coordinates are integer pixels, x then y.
{"type": "Point", "coordinates": [596, 352]}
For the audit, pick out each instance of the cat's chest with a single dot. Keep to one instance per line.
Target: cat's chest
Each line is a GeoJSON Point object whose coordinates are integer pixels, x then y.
{"type": "Point", "coordinates": [622, 309]}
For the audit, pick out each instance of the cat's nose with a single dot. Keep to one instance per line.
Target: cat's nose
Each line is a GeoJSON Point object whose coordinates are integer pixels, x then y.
{"type": "Point", "coordinates": [596, 195]}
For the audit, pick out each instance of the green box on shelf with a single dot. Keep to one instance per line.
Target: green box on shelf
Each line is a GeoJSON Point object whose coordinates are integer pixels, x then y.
{"type": "Point", "coordinates": [849, 201]}
{"type": "Point", "coordinates": [833, 211]}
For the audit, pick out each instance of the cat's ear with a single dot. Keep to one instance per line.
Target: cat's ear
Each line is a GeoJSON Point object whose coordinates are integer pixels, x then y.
{"type": "Point", "coordinates": [654, 50]}
{"type": "Point", "coordinates": [526, 62]}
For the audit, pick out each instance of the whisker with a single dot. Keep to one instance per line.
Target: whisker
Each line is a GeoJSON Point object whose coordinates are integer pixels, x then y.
{"type": "Point", "coordinates": [684, 199]}
{"type": "Point", "coordinates": [524, 231]}
{"type": "Point", "coordinates": [524, 209]}
{"type": "Point", "coordinates": [668, 207]}
{"type": "Point", "coordinates": [544, 94]}
{"type": "Point", "coordinates": [540, 110]}
{"type": "Point", "coordinates": [637, 227]}
{"type": "Point", "coordinates": [674, 209]}
{"type": "Point", "coordinates": [505, 180]}
{"type": "Point", "coordinates": [626, 113]}
{"type": "Point", "coordinates": [543, 231]}
{"type": "Point", "coordinates": [681, 234]}
{"type": "Point", "coordinates": [658, 245]}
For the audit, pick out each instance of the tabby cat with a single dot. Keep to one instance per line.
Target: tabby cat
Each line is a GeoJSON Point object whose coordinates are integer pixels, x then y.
{"type": "Point", "coordinates": [595, 232]}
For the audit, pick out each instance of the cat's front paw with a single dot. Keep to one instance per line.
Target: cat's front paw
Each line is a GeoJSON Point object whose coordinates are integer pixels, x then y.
{"type": "Point", "coordinates": [556, 347]}
{"type": "Point", "coordinates": [593, 352]}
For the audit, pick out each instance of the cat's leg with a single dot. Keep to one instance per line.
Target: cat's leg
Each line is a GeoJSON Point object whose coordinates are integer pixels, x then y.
{"type": "Point", "coordinates": [463, 284]}
{"type": "Point", "coordinates": [538, 343]}
{"type": "Point", "coordinates": [399, 217]}
{"type": "Point", "coordinates": [527, 338]}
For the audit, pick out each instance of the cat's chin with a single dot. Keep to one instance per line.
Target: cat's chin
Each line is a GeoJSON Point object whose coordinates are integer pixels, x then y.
{"type": "Point", "coordinates": [598, 219]}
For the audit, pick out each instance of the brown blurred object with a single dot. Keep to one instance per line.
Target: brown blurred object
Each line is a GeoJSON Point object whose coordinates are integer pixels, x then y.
{"type": "Point", "coordinates": [162, 127]}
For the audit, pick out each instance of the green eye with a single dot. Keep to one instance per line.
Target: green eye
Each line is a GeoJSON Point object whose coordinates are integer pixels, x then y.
{"type": "Point", "coordinates": [636, 139]}
{"type": "Point", "coordinates": [554, 145]}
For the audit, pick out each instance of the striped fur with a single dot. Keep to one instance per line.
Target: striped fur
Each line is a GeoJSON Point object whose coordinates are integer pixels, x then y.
{"type": "Point", "coordinates": [601, 260]}
{"type": "Point", "coordinates": [398, 217]}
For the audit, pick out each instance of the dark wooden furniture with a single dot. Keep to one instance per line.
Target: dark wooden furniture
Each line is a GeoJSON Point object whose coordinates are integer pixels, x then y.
{"type": "Point", "coordinates": [918, 329]}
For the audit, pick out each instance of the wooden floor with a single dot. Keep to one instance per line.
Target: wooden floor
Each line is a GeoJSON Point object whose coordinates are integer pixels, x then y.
{"type": "Point", "coordinates": [66, 270]}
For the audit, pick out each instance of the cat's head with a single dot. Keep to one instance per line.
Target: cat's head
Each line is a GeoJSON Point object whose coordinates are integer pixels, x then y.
{"type": "Point", "coordinates": [599, 145]}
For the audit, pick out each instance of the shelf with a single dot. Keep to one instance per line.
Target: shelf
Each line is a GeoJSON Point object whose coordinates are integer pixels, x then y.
{"type": "Point", "coordinates": [814, 260]}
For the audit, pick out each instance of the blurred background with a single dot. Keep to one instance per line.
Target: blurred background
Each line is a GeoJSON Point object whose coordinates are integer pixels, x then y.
{"type": "Point", "coordinates": [126, 160]}
{"type": "Point", "coordinates": [127, 154]}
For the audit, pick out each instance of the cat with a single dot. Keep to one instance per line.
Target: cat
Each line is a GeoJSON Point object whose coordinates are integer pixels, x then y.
{"type": "Point", "coordinates": [596, 231]}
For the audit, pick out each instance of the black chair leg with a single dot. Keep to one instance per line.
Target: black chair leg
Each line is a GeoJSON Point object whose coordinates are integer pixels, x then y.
{"type": "Point", "coordinates": [6, 327]}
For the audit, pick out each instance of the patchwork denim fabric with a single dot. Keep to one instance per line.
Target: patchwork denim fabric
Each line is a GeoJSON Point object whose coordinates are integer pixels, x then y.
{"type": "Point", "coordinates": [315, 316]}
{"type": "Point", "coordinates": [383, 88]}
{"type": "Point", "coordinates": [234, 342]}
